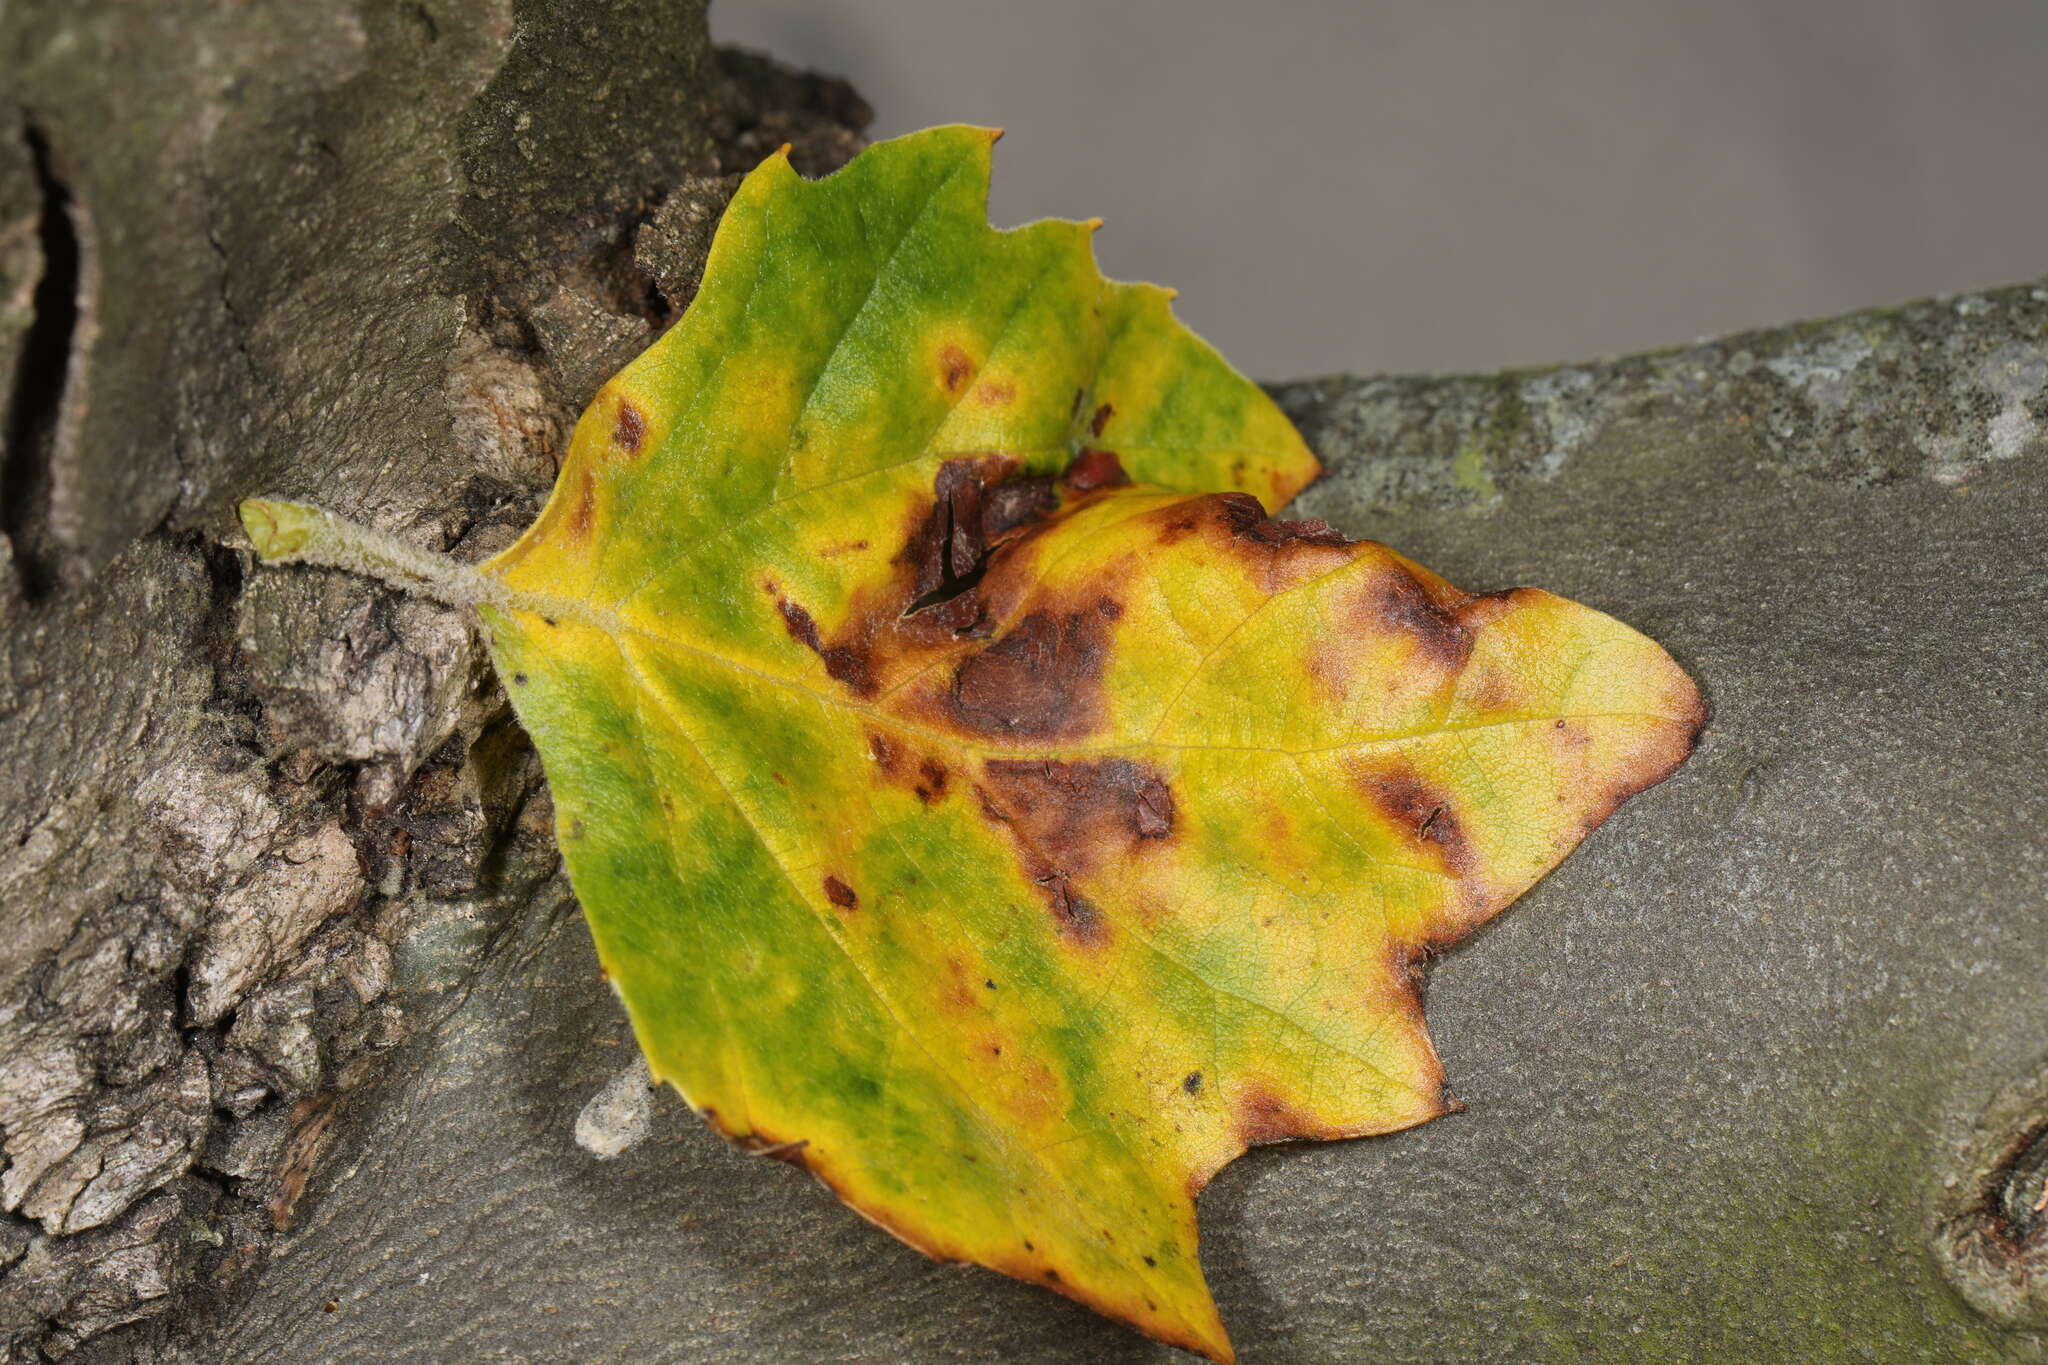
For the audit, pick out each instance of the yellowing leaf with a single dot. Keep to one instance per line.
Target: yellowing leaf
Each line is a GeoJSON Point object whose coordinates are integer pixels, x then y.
{"type": "Point", "coordinates": [973, 795]}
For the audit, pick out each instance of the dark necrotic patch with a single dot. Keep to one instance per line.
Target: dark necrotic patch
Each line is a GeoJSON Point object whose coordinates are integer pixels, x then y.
{"type": "Point", "coordinates": [1100, 419]}
{"type": "Point", "coordinates": [1193, 1083]}
{"type": "Point", "coordinates": [931, 784]}
{"type": "Point", "coordinates": [1039, 681]}
{"type": "Point", "coordinates": [976, 505]}
{"type": "Point", "coordinates": [1016, 503]}
{"type": "Point", "coordinates": [843, 663]}
{"type": "Point", "coordinates": [1247, 520]}
{"type": "Point", "coordinates": [1093, 469]}
{"type": "Point", "coordinates": [839, 893]}
{"type": "Point", "coordinates": [1078, 918]}
{"type": "Point", "coordinates": [1398, 602]}
{"type": "Point", "coordinates": [1078, 816]}
{"type": "Point", "coordinates": [1408, 800]}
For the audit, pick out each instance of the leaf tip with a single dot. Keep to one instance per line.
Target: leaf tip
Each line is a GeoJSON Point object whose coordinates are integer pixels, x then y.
{"type": "Point", "coordinates": [1092, 224]}
{"type": "Point", "coordinates": [995, 135]}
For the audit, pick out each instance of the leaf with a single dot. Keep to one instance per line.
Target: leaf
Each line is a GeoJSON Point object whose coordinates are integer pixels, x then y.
{"type": "Point", "coordinates": [974, 797]}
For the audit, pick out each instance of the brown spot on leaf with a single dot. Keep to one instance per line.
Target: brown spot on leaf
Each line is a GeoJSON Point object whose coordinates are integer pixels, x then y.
{"type": "Point", "coordinates": [959, 993]}
{"type": "Point", "coordinates": [1100, 419]}
{"type": "Point", "coordinates": [1397, 601]}
{"type": "Point", "coordinates": [955, 369]}
{"type": "Point", "coordinates": [976, 504]}
{"type": "Point", "coordinates": [931, 784]}
{"type": "Point", "coordinates": [843, 663]}
{"type": "Point", "coordinates": [884, 751]}
{"type": "Point", "coordinates": [630, 429]}
{"type": "Point", "coordinates": [1193, 1083]}
{"type": "Point", "coordinates": [1263, 1116]}
{"type": "Point", "coordinates": [1070, 819]}
{"type": "Point", "coordinates": [1078, 816]}
{"type": "Point", "coordinates": [1247, 519]}
{"type": "Point", "coordinates": [839, 893]}
{"type": "Point", "coordinates": [1016, 503]}
{"type": "Point", "coordinates": [1093, 469]}
{"type": "Point", "coordinates": [584, 515]}
{"type": "Point", "coordinates": [1038, 681]}
{"type": "Point", "coordinates": [994, 393]}
{"type": "Point", "coordinates": [1412, 802]}
{"type": "Point", "coordinates": [1079, 919]}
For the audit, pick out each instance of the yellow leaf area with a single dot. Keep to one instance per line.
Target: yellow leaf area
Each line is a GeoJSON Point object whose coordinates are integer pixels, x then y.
{"type": "Point", "coordinates": [973, 795]}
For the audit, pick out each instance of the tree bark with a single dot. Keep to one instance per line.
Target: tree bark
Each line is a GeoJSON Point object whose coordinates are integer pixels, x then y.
{"type": "Point", "coordinates": [376, 253]}
{"type": "Point", "coordinates": [304, 1054]}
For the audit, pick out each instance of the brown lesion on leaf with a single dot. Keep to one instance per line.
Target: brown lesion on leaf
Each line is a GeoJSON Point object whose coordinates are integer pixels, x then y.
{"type": "Point", "coordinates": [1101, 419]}
{"type": "Point", "coordinates": [1040, 680]}
{"type": "Point", "coordinates": [956, 367]}
{"type": "Point", "coordinates": [977, 504]}
{"type": "Point", "coordinates": [1397, 602]}
{"type": "Point", "coordinates": [1658, 753]}
{"type": "Point", "coordinates": [1079, 920]}
{"type": "Point", "coordinates": [839, 893]}
{"type": "Point", "coordinates": [927, 777]}
{"type": "Point", "coordinates": [1260, 1114]}
{"type": "Point", "coordinates": [629, 428]}
{"type": "Point", "coordinates": [958, 993]}
{"type": "Point", "coordinates": [843, 663]}
{"type": "Point", "coordinates": [1082, 814]}
{"type": "Point", "coordinates": [932, 777]}
{"type": "Point", "coordinates": [1094, 469]}
{"type": "Point", "coordinates": [933, 597]}
{"type": "Point", "coordinates": [1279, 554]}
{"type": "Point", "coordinates": [1247, 520]}
{"type": "Point", "coordinates": [994, 393]}
{"type": "Point", "coordinates": [1425, 811]}
{"type": "Point", "coordinates": [582, 517]}
{"type": "Point", "coordinates": [1070, 820]}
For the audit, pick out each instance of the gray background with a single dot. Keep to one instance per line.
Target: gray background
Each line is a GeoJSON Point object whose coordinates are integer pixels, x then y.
{"type": "Point", "coordinates": [1447, 185]}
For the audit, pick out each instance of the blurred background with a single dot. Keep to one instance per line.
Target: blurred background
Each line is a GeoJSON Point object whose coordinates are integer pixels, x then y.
{"type": "Point", "coordinates": [1444, 185]}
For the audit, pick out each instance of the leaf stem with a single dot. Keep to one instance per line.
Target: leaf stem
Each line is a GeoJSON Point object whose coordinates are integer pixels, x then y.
{"type": "Point", "coordinates": [296, 533]}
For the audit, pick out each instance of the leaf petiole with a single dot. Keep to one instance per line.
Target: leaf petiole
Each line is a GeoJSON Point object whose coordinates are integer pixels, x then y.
{"type": "Point", "coordinates": [296, 533]}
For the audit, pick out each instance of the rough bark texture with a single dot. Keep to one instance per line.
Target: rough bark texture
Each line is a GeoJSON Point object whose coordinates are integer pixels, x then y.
{"type": "Point", "coordinates": [381, 254]}
{"type": "Point", "coordinates": [290, 982]}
